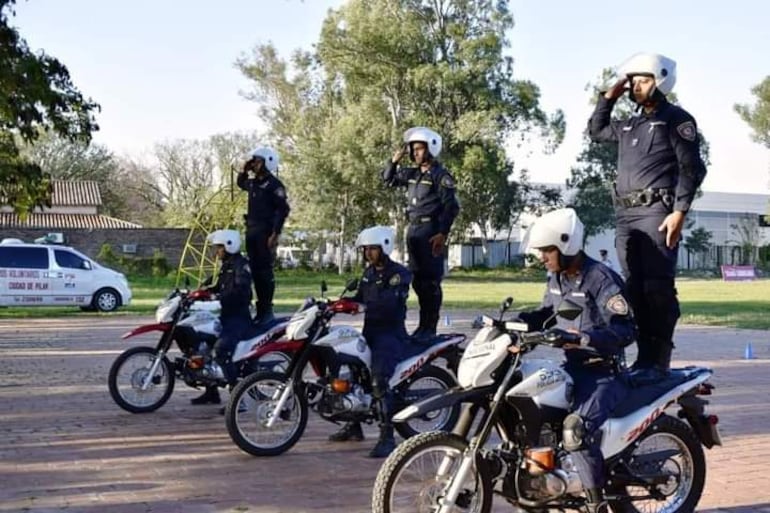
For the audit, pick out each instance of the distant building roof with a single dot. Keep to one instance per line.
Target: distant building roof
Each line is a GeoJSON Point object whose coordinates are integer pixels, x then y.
{"type": "Point", "coordinates": [75, 193]}
{"type": "Point", "coordinates": [734, 202]}
{"type": "Point", "coordinates": [63, 221]}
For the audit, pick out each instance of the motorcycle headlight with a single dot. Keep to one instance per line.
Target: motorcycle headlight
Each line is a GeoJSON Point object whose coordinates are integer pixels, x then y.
{"type": "Point", "coordinates": [165, 311]}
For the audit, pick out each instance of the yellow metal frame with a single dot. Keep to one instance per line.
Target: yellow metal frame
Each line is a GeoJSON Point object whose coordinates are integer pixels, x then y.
{"type": "Point", "coordinates": [197, 261]}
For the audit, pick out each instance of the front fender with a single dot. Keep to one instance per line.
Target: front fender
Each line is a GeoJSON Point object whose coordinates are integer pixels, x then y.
{"type": "Point", "coordinates": [436, 402]}
{"type": "Point", "coordinates": [163, 327]}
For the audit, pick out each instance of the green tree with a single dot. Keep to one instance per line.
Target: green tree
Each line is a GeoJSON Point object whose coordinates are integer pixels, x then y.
{"type": "Point", "coordinates": [382, 66]}
{"type": "Point", "coordinates": [748, 237]}
{"type": "Point", "coordinates": [697, 242]}
{"type": "Point", "coordinates": [36, 96]}
{"type": "Point", "coordinates": [593, 176]}
{"type": "Point", "coordinates": [758, 115]}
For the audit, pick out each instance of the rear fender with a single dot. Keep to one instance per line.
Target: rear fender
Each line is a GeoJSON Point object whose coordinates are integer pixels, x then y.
{"type": "Point", "coordinates": [162, 327]}
{"type": "Point", "coordinates": [705, 426]}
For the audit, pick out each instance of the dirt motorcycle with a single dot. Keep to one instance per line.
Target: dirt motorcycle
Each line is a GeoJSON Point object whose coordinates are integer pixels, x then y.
{"type": "Point", "coordinates": [142, 378]}
{"type": "Point", "coordinates": [268, 411]}
{"type": "Point", "coordinates": [653, 461]}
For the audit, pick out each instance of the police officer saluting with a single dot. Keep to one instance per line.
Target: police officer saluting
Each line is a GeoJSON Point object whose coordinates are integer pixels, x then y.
{"type": "Point", "coordinates": [431, 210]}
{"type": "Point", "coordinates": [267, 211]}
{"type": "Point", "coordinates": [659, 170]}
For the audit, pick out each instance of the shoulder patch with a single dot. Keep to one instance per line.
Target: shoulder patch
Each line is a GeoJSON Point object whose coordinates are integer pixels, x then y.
{"type": "Point", "coordinates": [280, 192]}
{"type": "Point", "coordinates": [687, 131]}
{"type": "Point", "coordinates": [394, 280]}
{"type": "Point", "coordinates": [617, 304]}
{"type": "Point", "coordinates": [447, 181]}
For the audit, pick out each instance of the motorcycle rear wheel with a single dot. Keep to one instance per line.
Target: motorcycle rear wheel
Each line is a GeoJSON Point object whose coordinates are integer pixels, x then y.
{"type": "Point", "coordinates": [127, 375]}
{"type": "Point", "coordinates": [438, 420]}
{"type": "Point", "coordinates": [251, 405]}
{"type": "Point", "coordinates": [409, 479]}
{"type": "Point", "coordinates": [687, 470]}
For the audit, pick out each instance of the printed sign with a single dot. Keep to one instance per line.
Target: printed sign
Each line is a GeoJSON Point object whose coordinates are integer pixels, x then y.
{"type": "Point", "coordinates": [738, 272]}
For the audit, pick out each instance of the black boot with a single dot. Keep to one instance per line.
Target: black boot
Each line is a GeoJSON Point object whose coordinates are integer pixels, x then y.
{"type": "Point", "coordinates": [386, 444]}
{"type": "Point", "coordinates": [350, 432]}
{"type": "Point", "coordinates": [210, 396]}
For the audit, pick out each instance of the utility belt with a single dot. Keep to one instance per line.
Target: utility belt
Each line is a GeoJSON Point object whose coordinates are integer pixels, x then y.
{"type": "Point", "coordinates": [644, 197]}
{"type": "Point", "coordinates": [421, 219]}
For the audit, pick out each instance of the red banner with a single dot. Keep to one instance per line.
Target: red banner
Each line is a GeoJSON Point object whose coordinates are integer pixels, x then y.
{"type": "Point", "coordinates": [738, 272]}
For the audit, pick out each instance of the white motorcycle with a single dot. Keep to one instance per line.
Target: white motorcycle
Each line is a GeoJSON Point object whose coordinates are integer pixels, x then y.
{"type": "Point", "coordinates": [653, 461]}
{"type": "Point", "coordinates": [142, 378]}
{"type": "Point", "coordinates": [268, 411]}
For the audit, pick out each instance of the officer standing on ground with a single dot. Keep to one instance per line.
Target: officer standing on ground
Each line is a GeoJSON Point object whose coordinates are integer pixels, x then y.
{"type": "Point", "coordinates": [659, 171]}
{"type": "Point", "coordinates": [431, 210]}
{"type": "Point", "coordinates": [267, 211]}
{"type": "Point", "coordinates": [600, 333]}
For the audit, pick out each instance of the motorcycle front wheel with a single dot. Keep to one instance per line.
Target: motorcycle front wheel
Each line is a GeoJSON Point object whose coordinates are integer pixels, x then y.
{"type": "Point", "coordinates": [429, 381]}
{"type": "Point", "coordinates": [128, 374]}
{"type": "Point", "coordinates": [418, 473]}
{"type": "Point", "coordinates": [252, 405]}
{"type": "Point", "coordinates": [671, 450]}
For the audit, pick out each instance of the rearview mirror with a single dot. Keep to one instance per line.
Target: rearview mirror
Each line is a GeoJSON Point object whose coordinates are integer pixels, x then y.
{"type": "Point", "coordinates": [351, 285]}
{"type": "Point", "coordinates": [206, 282]}
{"type": "Point", "coordinates": [569, 310]}
{"type": "Point", "coordinates": [506, 304]}
{"type": "Point", "coordinates": [324, 287]}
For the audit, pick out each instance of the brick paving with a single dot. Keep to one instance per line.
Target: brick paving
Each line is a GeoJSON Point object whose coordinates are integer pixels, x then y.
{"type": "Point", "coordinates": [65, 446]}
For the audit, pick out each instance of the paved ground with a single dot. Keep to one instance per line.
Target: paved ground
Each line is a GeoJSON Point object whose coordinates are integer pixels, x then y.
{"type": "Point", "coordinates": [65, 446]}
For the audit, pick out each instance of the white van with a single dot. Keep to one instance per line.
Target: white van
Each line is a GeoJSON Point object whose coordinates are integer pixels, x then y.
{"type": "Point", "coordinates": [45, 275]}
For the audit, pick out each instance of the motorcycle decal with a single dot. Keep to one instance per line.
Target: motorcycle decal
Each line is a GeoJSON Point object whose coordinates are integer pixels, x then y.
{"type": "Point", "coordinates": [548, 377]}
{"type": "Point", "coordinates": [412, 368]}
{"type": "Point", "coordinates": [641, 428]}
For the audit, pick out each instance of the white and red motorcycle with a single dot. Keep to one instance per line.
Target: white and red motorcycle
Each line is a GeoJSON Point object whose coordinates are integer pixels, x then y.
{"type": "Point", "coordinates": [268, 411]}
{"type": "Point", "coordinates": [654, 461]}
{"type": "Point", "coordinates": [142, 378]}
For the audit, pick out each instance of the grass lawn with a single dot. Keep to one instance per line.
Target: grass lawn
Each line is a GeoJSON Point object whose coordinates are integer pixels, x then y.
{"type": "Point", "coordinates": [708, 302]}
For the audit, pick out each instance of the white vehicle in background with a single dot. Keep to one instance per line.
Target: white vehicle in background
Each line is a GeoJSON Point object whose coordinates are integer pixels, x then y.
{"type": "Point", "coordinates": [46, 275]}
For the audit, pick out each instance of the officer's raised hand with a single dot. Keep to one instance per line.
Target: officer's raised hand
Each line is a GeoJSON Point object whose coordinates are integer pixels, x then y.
{"type": "Point", "coordinates": [672, 225]}
{"type": "Point", "coordinates": [437, 243]}
{"type": "Point", "coordinates": [617, 89]}
{"type": "Point", "coordinates": [399, 153]}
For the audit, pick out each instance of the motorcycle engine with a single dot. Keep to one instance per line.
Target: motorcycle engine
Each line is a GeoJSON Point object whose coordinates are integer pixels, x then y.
{"type": "Point", "coordinates": [562, 480]}
{"type": "Point", "coordinates": [355, 401]}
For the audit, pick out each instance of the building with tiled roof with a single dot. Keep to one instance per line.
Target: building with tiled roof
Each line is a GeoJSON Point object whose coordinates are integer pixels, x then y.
{"type": "Point", "coordinates": [74, 205]}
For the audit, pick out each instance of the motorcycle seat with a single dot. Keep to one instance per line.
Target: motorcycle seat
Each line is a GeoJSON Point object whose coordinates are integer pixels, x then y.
{"type": "Point", "coordinates": [643, 393]}
{"type": "Point", "coordinates": [257, 329]}
{"type": "Point", "coordinates": [418, 345]}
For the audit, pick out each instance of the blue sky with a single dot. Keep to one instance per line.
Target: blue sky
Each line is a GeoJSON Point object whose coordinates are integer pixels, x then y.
{"type": "Point", "coordinates": [162, 71]}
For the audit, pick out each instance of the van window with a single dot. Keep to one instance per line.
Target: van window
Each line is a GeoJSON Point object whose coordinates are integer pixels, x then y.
{"type": "Point", "coordinates": [68, 260]}
{"type": "Point", "coordinates": [26, 258]}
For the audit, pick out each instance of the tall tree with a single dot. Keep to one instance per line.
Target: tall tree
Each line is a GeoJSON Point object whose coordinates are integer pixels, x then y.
{"type": "Point", "coordinates": [379, 67]}
{"type": "Point", "coordinates": [36, 96]}
{"type": "Point", "coordinates": [758, 115]}
{"type": "Point", "coordinates": [697, 242]}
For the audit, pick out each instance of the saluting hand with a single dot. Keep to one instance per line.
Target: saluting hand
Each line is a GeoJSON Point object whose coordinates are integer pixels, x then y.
{"type": "Point", "coordinates": [672, 225]}
{"type": "Point", "coordinates": [437, 243]}
{"type": "Point", "coordinates": [617, 90]}
{"type": "Point", "coordinates": [398, 154]}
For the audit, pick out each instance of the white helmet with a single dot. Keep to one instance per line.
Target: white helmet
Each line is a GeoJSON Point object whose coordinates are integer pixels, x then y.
{"type": "Point", "coordinates": [377, 236]}
{"type": "Point", "coordinates": [660, 67]}
{"type": "Point", "coordinates": [230, 239]}
{"type": "Point", "coordinates": [269, 155]}
{"type": "Point", "coordinates": [426, 135]}
{"type": "Point", "coordinates": [560, 228]}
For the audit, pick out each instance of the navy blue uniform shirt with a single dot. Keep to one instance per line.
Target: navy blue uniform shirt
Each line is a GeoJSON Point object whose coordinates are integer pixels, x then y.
{"type": "Point", "coordinates": [430, 194]}
{"type": "Point", "coordinates": [268, 207]}
{"type": "Point", "coordinates": [234, 286]}
{"type": "Point", "coordinates": [384, 292]}
{"type": "Point", "coordinates": [659, 150]}
{"type": "Point", "coordinates": [606, 317]}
